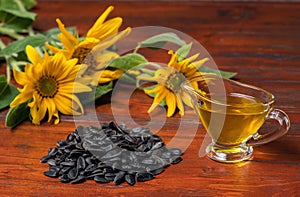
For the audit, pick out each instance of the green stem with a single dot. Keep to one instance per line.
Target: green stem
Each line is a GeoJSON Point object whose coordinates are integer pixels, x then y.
{"type": "Point", "coordinates": [7, 73]}
{"type": "Point", "coordinates": [2, 46]}
{"type": "Point", "coordinates": [14, 64]}
{"type": "Point", "coordinates": [20, 5]}
{"type": "Point", "coordinates": [155, 65]}
{"type": "Point", "coordinates": [30, 31]}
{"type": "Point", "coordinates": [11, 33]}
{"type": "Point", "coordinates": [136, 49]}
{"type": "Point", "coordinates": [148, 71]}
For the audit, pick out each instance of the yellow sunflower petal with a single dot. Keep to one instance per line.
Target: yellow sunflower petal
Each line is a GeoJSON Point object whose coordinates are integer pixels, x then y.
{"type": "Point", "coordinates": [104, 80]}
{"type": "Point", "coordinates": [88, 80]}
{"type": "Point", "coordinates": [56, 121]}
{"type": "Point", "coordinates": [111, 40]}
{"type": "Point", "coordinates": [68, 71]}
{"type": "Point", "coordinates": [199, 63]}
{"type": "Point", "coordinates": [171, 103]}
{"type": "Point", "coordinates": [104, 58]}
{"type": "Point", "coordinates": [179, 105]}
{"type": "Point", "coordinates": [20, 77]}
{"type": "Point", "coordinates": [158, 98]}
{"type": "Point", "coordinates": [50, 105]}
{"type": "Point", "coordinates": [68, 45]}
{"type": "Point", "coordinates": [55, 65]}
{"type": "Point", "coordinates": [192, 58]}
{"type": "Point", "coordinates": [173, 57]}
{"type": "Point", "coordinates": [71, 39]}
{"type": "Point", "coordinates": [21, 98]}
{"type": "Point", "coordinates": [114, 74]}
{"type": "Point", "coordinates": [33, 55]}
{"type": "Point", "coordinates": [88, 43]}
{"type": "Point", "coordinates": [52, 48]}
{"type": "Point", "coordinates": [173, 63]}
{"type": "Point", "coordinates": [186, 99]}
{"type": "Point", "coordinates": [74, 100]}
{"type": "Point", "coordinates": [63, 104]}
{"type": "Point", "coordinates": [146, 78]}
{"type": "Point", "coordinates": [109, 28]}
{"type": "Point", "coordinates": [38, 111]}
{"type": "Point", "coordinates": [158, 87]}
{"type": "Point", "coordinates": [189, 71]}
{"type": "Point", "coordinates": [93, 31]}
{"type": "Point", "coordinates": [74, 87]}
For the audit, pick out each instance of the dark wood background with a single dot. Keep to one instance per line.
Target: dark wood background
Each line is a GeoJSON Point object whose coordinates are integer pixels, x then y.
{"type": "Point", "coordinates": [260, 41]}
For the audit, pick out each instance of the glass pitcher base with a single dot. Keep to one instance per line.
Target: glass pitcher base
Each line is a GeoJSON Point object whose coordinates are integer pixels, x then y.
{"type": "Point", "coordinates": [229, 154]}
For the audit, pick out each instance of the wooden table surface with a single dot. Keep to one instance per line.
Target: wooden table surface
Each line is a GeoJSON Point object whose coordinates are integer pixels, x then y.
{"type": "Point", "coordinates": [259, 41]}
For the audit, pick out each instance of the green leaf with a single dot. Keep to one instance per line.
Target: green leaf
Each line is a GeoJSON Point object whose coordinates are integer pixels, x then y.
{"type": "Point", "coordinates": [17, 114]}
{"type": "Point", "coordinates": [2, 79]}
{"type": "Point", "coordinates": [157, 41]}
{"type": "Point", "coordinates": [97, 92]}
{"type": "Point", "coordinates": [163, 102]}
{"type": "Point", "coordinates": [15, 4]}
{"type": "Point", "coordinates": [3, 84]}
{"type": "Point", "coordinates": [183, 51]}
{"type": "Point", "coordinates": [16, 19]}
{"type": "Point", "coordinates": [20, 45]}
{"type": "Point", "coordinates": [218, 72]}
{"type": "Point", "coordinates": [7, 92]}
{"type": "Point", "coordinates": [156, 46]}
{"type": "Point", "coordinates": [14, 14]}
{"type": "Point", "coordinates": [29, 4]}
{"type": "Point", "coordinates": [103, 89]}
{"type": "Point", "coordinates": [128, 61]}
{"type": "Point", "coordinates": [8, 96]}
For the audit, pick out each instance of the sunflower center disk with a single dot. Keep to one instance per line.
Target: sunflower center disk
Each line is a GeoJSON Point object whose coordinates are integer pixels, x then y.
{"type": "Point", "coordinates": [174, 81]}
{"type": "Point", "coordinates": [47, 86]}
{"type": "Point", "coordinates": [80, 53]}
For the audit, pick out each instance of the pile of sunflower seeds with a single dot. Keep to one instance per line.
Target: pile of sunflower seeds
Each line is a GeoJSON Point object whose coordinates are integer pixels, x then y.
{"type": "Point", "coordinates": [109, 153]}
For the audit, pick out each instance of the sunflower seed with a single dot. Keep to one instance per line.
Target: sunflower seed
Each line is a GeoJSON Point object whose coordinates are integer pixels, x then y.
{"type": "Point", "coordinates": [68, 163]}
{"type": "Point", "coordinates": [51, 162]}
{"type": "Point", "coordinates": [101, 179]}
{"type": "Point", "coordinates": [142, 177]}
{"type": "Point", "coordinates": [45, 158]}
{"type": "Point", "coordinates": [175, 160]}
{"type": "Point", "coordinates": [52, 174]}
{"type": "Point", "coordinates": [64, 170]}
{"type": "Point", "coordinates": [119, 178]}
{"type": "Point", "coordinates": [155, 170]}
{"type": "Point", "coordinates": [79, 179]}
{"type": "Point", "coordinates": [72, 174]}
{"type": "Point", "coordinates": [110, 176]}
{"type": "Point", "coordinates": [175, 151]}
{"type": "Point", "coordinates": [109, 153]}
{"type": "Point", "coordinates": [52, 151]}
{"type": "Point", "coordinates": [64, 178]}
{"type": "Point", "coordinates": [130, 179]}
{"type": "Point", "coordinates": [54, 168]}
{"type": "Point", "coordinates": [61, 143]}
{"type": "Point", "coordinates": [81, 163]}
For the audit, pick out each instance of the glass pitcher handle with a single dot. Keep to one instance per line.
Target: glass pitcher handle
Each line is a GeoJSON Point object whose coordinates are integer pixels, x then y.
{"type": "Point", "coordinates": [283, 122]}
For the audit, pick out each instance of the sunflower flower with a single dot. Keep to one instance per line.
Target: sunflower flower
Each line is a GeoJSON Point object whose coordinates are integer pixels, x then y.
{"type": "Point", "coordinates": [101, 31]}
{"type": "Point", "coordinates": [169, 80]}
{"type": "Point", "coordinates": [48, 86]}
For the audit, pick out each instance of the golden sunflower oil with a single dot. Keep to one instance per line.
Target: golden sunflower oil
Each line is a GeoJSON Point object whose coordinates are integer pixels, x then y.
{"type": "Point", "coordinates": [243, 116]}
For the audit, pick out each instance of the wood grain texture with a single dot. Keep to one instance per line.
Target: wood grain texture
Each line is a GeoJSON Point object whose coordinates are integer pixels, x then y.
{"type": "Point", "coordinates": [260, 41]}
